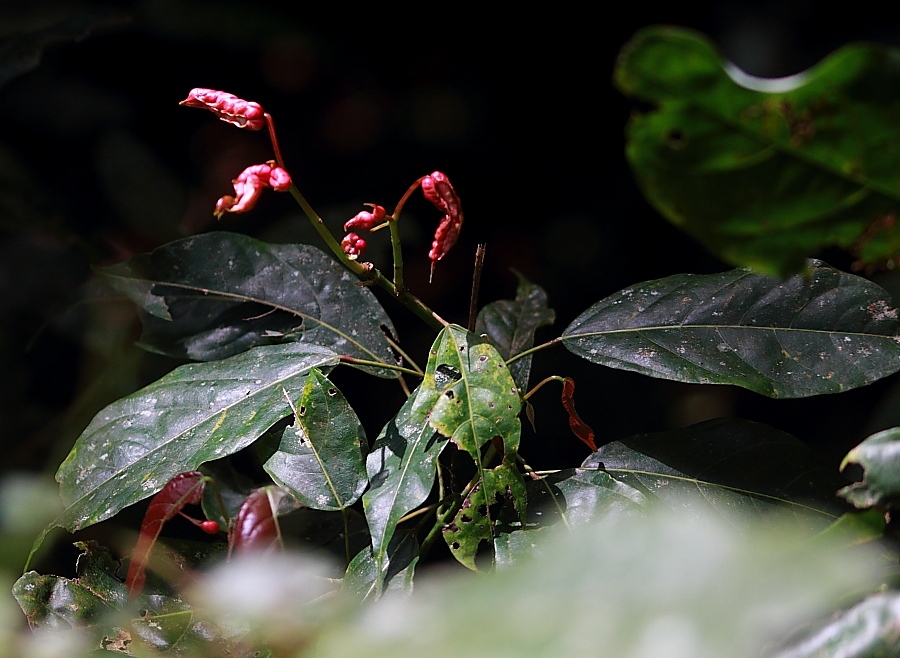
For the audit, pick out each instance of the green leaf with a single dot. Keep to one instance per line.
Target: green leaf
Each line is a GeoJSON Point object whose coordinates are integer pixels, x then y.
{"type": "Point", "coordinates": [214, 295]}
{"type": "Point", "coordinates": [369, 578]}
{"type": "Point", "coordinates": [510, 326]}
{"type": "Point", "coordinates": [401, 468]}
{"type": "Point", "coordinates": [879, 455]}
{"type": "Point", "coordinates": [767, 172]}
{"type": "Point", "coordinates": [867, 630]}
{"type": "Point", "coordinates": [320, 458]}
{"type": "Point", "coordinates": [197, 413]}
{"type": "Point", "coordinates": [747, 468]}
{"type": "Point", "coordinates": [822, 332]}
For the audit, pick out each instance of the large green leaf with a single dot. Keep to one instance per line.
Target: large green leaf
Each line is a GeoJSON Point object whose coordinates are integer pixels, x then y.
{"type": "Point", "coordinates": [320, 458]}
{"type": "Point", "coordinates": [510, 325]}
{"type": "Point", "coordinates": [197, 413]}
{"type": "Point", "coordinates": [746, 468]}
{"type": "Point", "coordinates": [821, 332]}
{"type": "Point", "coordinates": [369, 578]}
{"type": "Point", "coordinates": [767, 172]}
{"type": "Point", "coordinates": [401, 469]}
{"type": "Point", "coordinates": [214, 295]}
{"type": "Point", "coordinates": [879, 455]}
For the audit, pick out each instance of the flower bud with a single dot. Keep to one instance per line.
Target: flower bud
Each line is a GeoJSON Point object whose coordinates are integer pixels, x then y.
{"type": "Point", "coordinates": [249, 185]}
{"type": "Point", "coordinates": [366, 220]}
{"type": "Point", "coordinates": [353, 245]}
{"type": "Point", "coordinates": [438, 189]}
{"type": "Point", "coordinates": [228, 107]}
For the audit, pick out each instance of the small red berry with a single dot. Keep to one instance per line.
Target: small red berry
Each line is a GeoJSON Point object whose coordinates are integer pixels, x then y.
{"type": "Point", "coordinates": [209, 527]}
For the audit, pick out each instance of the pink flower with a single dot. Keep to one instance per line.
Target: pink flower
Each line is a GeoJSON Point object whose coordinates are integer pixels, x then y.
{"type": "Point", "coordinates": [249, 185]}
{"type": "Point", "coordinates": [228, 107]}
{"type": "Point", "coordinates": [438, 189]}
{"type": "Point", "coordinates": [353, 245]}
{"type": "Point", "coordinates": [366, 220]}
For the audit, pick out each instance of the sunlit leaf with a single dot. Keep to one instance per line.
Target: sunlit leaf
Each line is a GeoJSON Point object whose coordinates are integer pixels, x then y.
{"type": "Point", "coordinates": [820, 332]}
{"type": "Point", "coordinates": [879, 455]}
{"type": "Point", "coordinates": [767, 172]}
{"type": "Point", "coordinates": [197, 413]}
{"type": "Point", "coordinates": [320, 458]}
{"type": "Point", "coordinates": [214, 295]}
{"type": "Point", "coordinates": [510, 325]}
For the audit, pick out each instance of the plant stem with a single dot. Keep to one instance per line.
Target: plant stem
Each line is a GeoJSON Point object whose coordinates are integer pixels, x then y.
{"type": "Point", "coordinates": [438, 526]}
{"type": "Point", "coordinates": [378, 364]}
{"type": "Point", "coordinates": [476, 284]}
{"type": "Point", "coordinates": [398, 256]}
{"type": "Point", "coordinates": [367, 272]}
{"type": "Point", "coordinates": [549, 343]}
{"type": "Point", "coordinates": [271, 124]}
{"type": "Point", "coordinates": [537, 387]}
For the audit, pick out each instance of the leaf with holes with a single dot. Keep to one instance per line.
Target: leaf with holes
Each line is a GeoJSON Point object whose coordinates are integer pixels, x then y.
{"type": "Point", "coordinates": [320, 458]}
{"type": "Point", "coordinates": [821, 332]}
{"type": "Point", "coordinates": [214, 295]}
{"type": "Point", "coordinates": [401, 471]}
{"type": "Point", "coordinates": [197, 413]}
{"type": "Point", "coordinates": [476, 520]}
{"type": "Point", "coordinates": [510, 326]}
{"type": "Point", "coordinates": [767, 172]}
{"type": "Point", "coordinates": [748, 468]}
{"type": "Point", "coordinates": [369, 578]}
{"type": "Point", "coordinates": [879, 457]}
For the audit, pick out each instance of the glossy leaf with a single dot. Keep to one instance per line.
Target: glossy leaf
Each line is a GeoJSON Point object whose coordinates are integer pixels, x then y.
{"type": "Point", "coordinates": [256, 527]}
{"type": "Point", "coordinates": [879, 455]}
{"type": "Point", "coordinates": [510, 326]}
{"type": "Point", "coordinates": [747, 468]}
{"type": "Point", "coordinates": [867, 630]}
{"type": "Point", "coordinates": [183, 489]}
{"type": "Point", "coordinates": [217, 294]}
{"type": "Point", "coordinates": [197, 413]}
{"type": "Point", "coordinates": [477, 519]}
{"type": "Point", "coordinates": [369, 578]}
{"type": "Point", "coordinates": [320, 458]}
{"type": "Point", "coordinates": [579, 428]}
{"type": "Point", "coordinates": [821, 332]}
{"type": "Point", "coordinates": [401, 468]}
{"type": "Point", "coordinates": [767, 172]}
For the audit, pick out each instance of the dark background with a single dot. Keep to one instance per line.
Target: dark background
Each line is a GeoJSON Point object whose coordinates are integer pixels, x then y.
{"type": "Point", "coordinates": [98, 162]}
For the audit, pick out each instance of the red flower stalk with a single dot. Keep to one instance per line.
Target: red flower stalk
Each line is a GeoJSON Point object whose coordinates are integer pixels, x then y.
{"type": "Point", "coordinates": [438, 189]}
{"type": "Point", "coordinates": [249, 185]}
{"type": "Point", "coordinates": [228, 107]}
{"type": "Point", "coordinates": [366, 220]}
{"type": "Point", "coordinates": [353, 245]}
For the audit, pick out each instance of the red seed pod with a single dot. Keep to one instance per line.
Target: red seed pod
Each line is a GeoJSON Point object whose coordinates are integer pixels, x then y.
{"type": "Point", "coordinates": [209, 527]}
{"type": "Point", "coordinates": [366, 220]}
{"type": "Point", "coordinates": [438, 189]}
{"type": "Point", "coordinates": [249, 185]}
{"type": "Point", "coordinates": [228, 107]}
{"type": "Point", "coordinates": [353, 245]}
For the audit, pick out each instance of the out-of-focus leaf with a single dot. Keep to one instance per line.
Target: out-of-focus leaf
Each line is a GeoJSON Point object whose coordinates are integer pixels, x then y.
{"type": "Point", "coordinates": [401, 470]}
{"type": "Point", "coordinates": [256, 527]}
{"type": "Point", "coordinates": [183, 489]}
{"type": "Point", "coordinates": [477, 519]}
{"type": "Point", "coordinates": [579, 428]}
{"type": "Point", "coordinates": [369, 578]}
{"type": "Point", "coordinates": [854, 528]}
{"type": "Point", "coordinates": [324, 532]}
{"type": "Point", "coordinates": [747, 468]}
{"type": "Point", "coordinates": [232, 486]}
{"type": "Point", "coordinates": [879, 455]}
{"type": "Point", "coordinates": [21, 51]}
{"type": "Point", "coordinates": [214, 295]}
{"type": "Point", "coordinates": [197, 413]}
{"type": "Point", "coordinates": [867, 630]}
{"type": "Point", "coordinates": [320, 459]}
{"type": "Point", "coordinates": [767, 172]}
{"type": "Point", "coordinates": [821, 332]}
{"type": "Point", "coordinates": [510, 325]}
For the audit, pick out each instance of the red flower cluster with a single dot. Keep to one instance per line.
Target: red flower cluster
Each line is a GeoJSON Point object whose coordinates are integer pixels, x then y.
{"type": "Point", "coordinates": [352, 244]}
{"type": "Point", "coordinates": [438, 189]}
{"type": "Point", "coordinates": [249, 185]}
{"type": "Point", "coordinates": [228, 107]}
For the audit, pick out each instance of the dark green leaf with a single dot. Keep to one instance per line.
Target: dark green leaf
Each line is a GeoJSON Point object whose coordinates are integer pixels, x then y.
{"type": "Point", "coordinates": [867, 630]}
{"type": "Point", "coordinates": [197, 413]}
{"type": "Point", "coordinates": [401, 469]}
{"type": "Point", "coordinates": [767, 172]}
{"type": "Point", "coordinates": [879, 455]}
{"type": "Point", "coordinates": [510, 326]}
{"type": "Point", "coordinates": [369, 578]}
{"type": "Point", "coordinates": [320, 458]}
{"type": "Point", "coordinates": [214, 295]}
{"type": "Point", "coordinates": [727, 463]}
{"type": "Point", "coordinates": [822, 332]}
{"type": "Point", "coordinates": [233, 487]}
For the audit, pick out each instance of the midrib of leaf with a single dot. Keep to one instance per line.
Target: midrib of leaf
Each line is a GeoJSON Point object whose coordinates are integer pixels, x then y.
{"type": "Point", "coordinates": [697, 482]}
{"type": "Point", "coordinates": [669, 327]}
{"type": "Point", "coordinates": [246, 298]}
{"type": "Point", "coordinates": [147, 454]}
{"type": "Point", "coordinates": [861, 180]}
{"type": "Point", "coordinates": [321, 463]}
